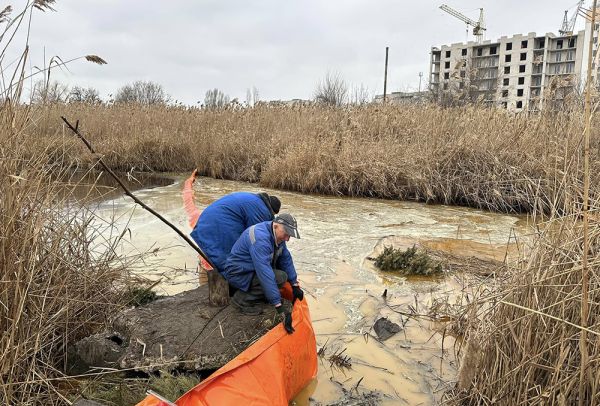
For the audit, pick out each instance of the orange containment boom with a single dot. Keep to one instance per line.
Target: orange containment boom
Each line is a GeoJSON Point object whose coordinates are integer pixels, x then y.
{"type": "Point", "coordinates": [270, 372]}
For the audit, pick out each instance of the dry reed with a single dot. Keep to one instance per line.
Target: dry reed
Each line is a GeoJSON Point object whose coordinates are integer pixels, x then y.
{"type": "Point", "coordinates": [60, 276]}
{"type": "Point", "coordinates": [523, 339]}
{"type": "Point", "coordinates": [469, 156]}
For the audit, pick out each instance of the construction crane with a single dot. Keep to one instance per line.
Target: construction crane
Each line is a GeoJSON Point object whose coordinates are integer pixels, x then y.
{"type": "Point", "coordinates": [568, 24]}
{"type": "Point", "coordinates": [478, 26]}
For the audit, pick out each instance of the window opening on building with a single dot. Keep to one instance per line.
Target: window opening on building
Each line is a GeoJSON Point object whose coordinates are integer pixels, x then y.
{"type": "Point", "coordinates": [522, 80]}
{"type": "Point", "coordinates": [447, 64]}
{"type": "Point", "coordinates": [521, 68]}
{"type": "Point", "coordinates": [464, 52]}
{"type": "Point", "coordinates": [447, 75]}
{"type": "Point", "coordinates": [523, 56]}
{"type": "Point", "coordinates": [570, 68]}
{"type": "Point", "coordinates": [507, 70]}
{"type": "Point", "coordinates": [447, 54]}
{"type": "Point", "coordinates": [520, 92]}
{"type": "Point", "coordinates": [519, 104]}
{"type": "Point", "coordinates": [493, 50]}
{"type": "Point", "coordinates": [479, 51]}
{"type": "Point", "coordinates": [571, 42]}
{"type": "Point", "coordinates": [507, 58]}
{"type": "Point", "coordinates": [508, 46]}
{"type": "Point", "coordinates": [505, 81]}
{"type": "Point", "coordinates": [559, 44]}
{"type": "Point", "coordinates": [505, 93]}
{"type": "Point", "coordinates": [524, 44]}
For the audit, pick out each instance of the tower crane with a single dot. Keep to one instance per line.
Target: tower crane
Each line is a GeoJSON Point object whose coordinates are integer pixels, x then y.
{"type": "Point", "coordinates": [568, 24]}
{"type": "Point", "coordinates": [478, 26]}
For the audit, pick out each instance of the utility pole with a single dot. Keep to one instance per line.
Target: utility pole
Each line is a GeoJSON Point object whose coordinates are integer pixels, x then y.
{"type": "Point", "coordinates": [420, 77]}
{"type": "Point", "coordinates": [385, 75]}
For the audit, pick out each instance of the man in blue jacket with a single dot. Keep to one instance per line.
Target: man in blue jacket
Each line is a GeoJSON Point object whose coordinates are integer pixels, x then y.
{"type": "Point", "coordinates": [223, 221]}
{"type": "Point", "coordinates": [260, 263]}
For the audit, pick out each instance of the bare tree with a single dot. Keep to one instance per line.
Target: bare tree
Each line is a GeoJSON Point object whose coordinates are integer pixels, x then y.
{"type": "Point", "coordinates": [360, 95]}
{"type": "Point", "coordinates": [48, 92]}
{"type": "Point", "coordinates": [215, 99]}
{"type": "Point", "coordinates": [333, 90]}
{"type": "Point", "coordinates": [84, 95]}
{"type": "Point", "coordinates": [252, 97]}
{"type": "Point", "coordinates": [142, 92]}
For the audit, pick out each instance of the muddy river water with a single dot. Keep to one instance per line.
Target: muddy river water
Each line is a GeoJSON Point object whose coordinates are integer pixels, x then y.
{"type": "Point", "coordinates": [344, 290]}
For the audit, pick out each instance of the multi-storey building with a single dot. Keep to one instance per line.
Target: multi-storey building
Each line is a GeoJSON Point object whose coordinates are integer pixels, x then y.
{"type": "Point", "coordinates": [522, 72]}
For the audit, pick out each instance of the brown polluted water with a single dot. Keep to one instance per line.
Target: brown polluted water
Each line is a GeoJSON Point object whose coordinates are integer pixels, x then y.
{"type": "Point", "coordinates": [343, 288]}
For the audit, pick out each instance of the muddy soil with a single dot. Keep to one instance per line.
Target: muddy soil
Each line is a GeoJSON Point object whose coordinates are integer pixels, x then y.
{"type": "Point", "coordinates": [177, 332]}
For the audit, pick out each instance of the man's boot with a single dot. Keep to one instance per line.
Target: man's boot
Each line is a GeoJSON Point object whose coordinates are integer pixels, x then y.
{"type": "Point", "coordinates": [243, 301]}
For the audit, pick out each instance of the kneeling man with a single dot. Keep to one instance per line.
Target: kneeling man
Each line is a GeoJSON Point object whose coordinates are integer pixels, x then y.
{"type": "Point", "coordinates": [260, 263]}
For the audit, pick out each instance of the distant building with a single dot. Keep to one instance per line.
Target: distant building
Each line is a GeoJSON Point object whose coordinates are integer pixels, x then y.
{"type": "Point", "coordinates": [402, 97]}
{"type": "Point", "coordinates": [522, 72]}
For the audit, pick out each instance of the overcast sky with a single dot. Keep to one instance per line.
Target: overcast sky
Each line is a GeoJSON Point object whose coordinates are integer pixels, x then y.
{"type": "Point", "coordinates": [282, 47]}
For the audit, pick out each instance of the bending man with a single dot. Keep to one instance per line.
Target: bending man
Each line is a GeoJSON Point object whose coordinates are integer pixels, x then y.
{"type": "Point", "coordinates": [260, 263]}
{"type": "Point", "coordinates": [224, 220]}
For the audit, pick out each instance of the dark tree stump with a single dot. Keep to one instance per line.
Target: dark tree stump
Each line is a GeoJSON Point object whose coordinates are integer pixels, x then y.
{"type": "Point", "coordinates": [218, 289]}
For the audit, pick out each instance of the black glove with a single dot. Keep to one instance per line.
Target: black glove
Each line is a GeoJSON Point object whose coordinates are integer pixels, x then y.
{"type": "Point", "coordinates": [298, 293]}
{"type": "Point", "coordinates": [287, 319]}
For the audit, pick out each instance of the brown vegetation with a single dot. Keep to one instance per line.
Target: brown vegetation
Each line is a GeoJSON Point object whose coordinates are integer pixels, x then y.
{"type": "Point", "coordinates": [523, 339]}
{"type": "Point", "coordinates": [469, 156]}
{"type": "Point", "coordinates": [60, 275]}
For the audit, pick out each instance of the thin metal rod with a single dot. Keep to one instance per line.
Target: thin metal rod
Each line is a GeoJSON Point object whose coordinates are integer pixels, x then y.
{"type": "Point", "coordinates": [135, 199]}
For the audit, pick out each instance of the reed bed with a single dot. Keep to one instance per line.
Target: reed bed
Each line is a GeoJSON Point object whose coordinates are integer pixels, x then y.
{"type": "Point", "coordinates": [61, 277]}
{"type": "Point", "coordinates": [523, 345]}
{"type": "Point", "coordinates": [469, 156]}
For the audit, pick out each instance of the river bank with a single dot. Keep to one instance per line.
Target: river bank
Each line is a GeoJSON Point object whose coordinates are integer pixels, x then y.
{"type": "Point", "coordinates": [465, 156]}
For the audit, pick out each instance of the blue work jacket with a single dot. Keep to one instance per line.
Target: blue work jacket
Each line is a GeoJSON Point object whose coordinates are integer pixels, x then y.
{"type": "Point", "coordinates": [254, 252]}
{"type": "Point", "coordinates": [224, 220]}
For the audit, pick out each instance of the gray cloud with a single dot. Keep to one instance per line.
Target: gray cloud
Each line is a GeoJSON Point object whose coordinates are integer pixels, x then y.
{"type": "Point", "coordinates": [282, 47]}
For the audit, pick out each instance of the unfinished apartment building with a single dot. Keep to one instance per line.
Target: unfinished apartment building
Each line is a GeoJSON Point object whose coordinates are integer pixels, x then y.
{"type": "Point", "coordinates": [522, 72]}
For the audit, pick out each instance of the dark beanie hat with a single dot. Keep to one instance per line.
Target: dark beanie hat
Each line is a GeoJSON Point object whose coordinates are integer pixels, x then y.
{"type": "Point", "coordinates": [275, 204]}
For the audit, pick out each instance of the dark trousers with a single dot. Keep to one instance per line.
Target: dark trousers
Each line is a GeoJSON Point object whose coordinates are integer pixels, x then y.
{"type": "Point", "coordinates": [255, 293]}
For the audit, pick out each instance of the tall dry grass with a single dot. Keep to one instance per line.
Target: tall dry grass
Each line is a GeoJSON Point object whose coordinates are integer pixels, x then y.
{"type": "Point", "coordinates": [469, 156]}
{"type": "Point", "coordinates": [60, 276]}
{"type": "Point", "coordinates": [524, 340]}
{"type": "Point", "coordinates": [523, 347]}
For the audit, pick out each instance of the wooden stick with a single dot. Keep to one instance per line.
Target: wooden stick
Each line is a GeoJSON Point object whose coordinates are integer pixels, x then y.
{"type": "Point", "coordinates": [135, 199]}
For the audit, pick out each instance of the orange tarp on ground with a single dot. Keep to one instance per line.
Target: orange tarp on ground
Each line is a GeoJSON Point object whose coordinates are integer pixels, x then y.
{"type": "Point", "coordinates": [269, 372]}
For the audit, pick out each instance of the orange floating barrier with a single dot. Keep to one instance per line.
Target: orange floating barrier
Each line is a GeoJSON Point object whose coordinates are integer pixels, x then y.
{"type": "Point", "coordinates": [270, 372]}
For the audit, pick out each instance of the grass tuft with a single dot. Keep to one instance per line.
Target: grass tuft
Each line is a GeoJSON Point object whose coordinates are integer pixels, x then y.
{"type": "Point", "coordinates": [410, 262]}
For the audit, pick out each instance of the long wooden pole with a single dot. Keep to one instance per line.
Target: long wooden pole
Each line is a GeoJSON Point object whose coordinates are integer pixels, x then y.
{"type": "Point", "coordinates": [586, 195]}
{"type": "Point", "coordinates": [135, 199]}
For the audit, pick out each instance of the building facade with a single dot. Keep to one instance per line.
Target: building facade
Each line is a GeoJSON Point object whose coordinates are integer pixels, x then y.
{"type": "Point", "coordinates": [522, 72]}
